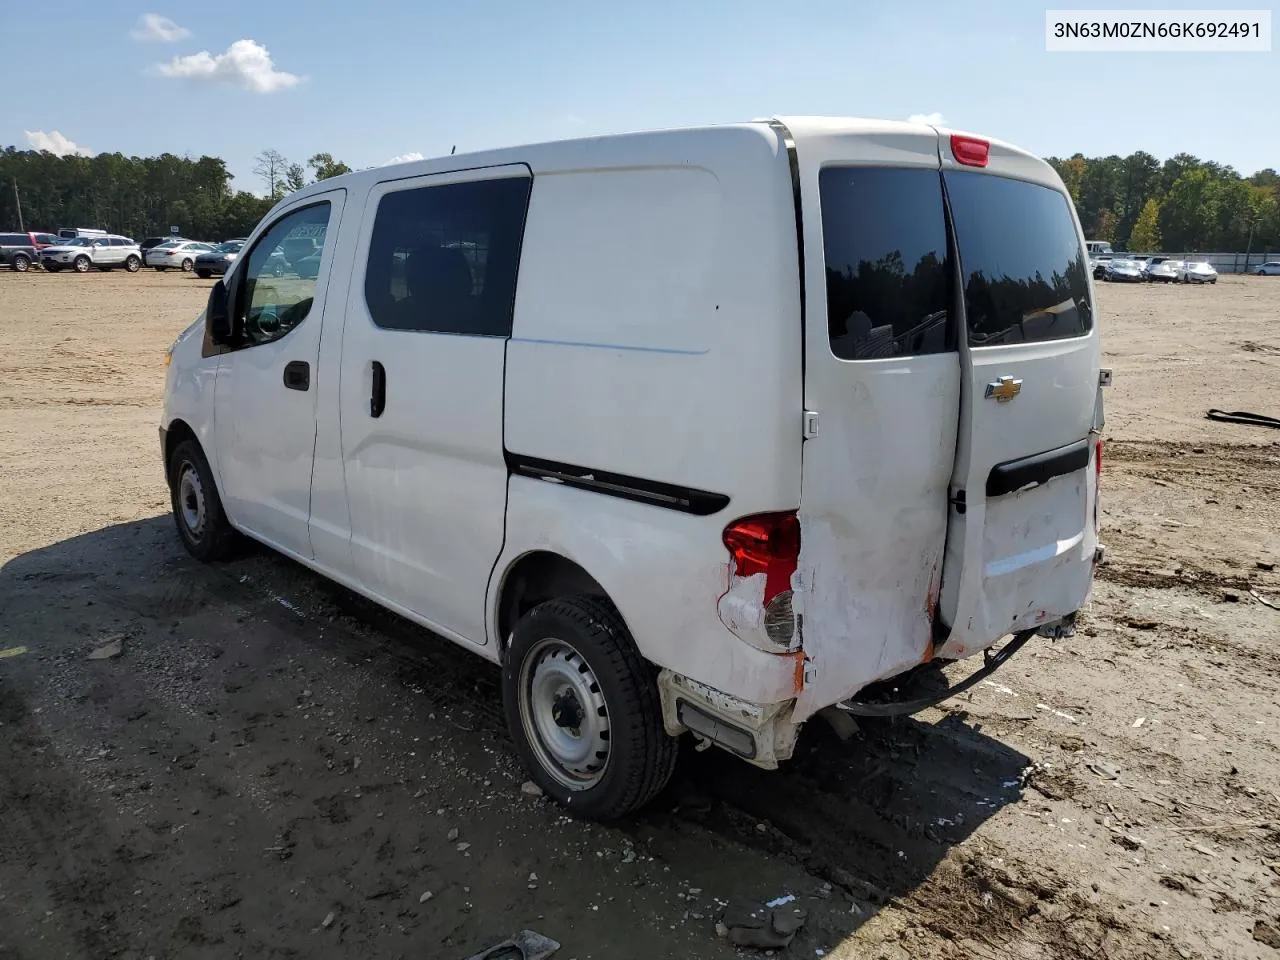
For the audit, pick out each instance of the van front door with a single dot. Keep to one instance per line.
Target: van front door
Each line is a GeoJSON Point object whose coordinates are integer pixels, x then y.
{"type": "Point", "coordinates": [882, 374]}
{"type": "Point", "coordinates": [423, 355]}
{"type": "Point", "coordinates": [1022, 539]}
{"type": "Point", "coordinates": [265, 394]}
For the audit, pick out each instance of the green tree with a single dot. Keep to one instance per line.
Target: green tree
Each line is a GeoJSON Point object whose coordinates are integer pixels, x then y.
{"type": "Point", "coordinates": [1140, 181]}
{"type": "Point", "coordinates": [324, 166]}
{"type": "Point", "coordinates": [1146, 230]}
{"type": "Point", "coordinates": [1105, 226]}
{"type": "Point", "coordinates": [295, 177]}
{"type": "Point", "coordinates": [1188, 216]}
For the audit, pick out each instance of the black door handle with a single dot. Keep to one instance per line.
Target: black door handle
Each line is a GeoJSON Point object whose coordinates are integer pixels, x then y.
{"type": "Point", "coordinates": [378, 402]}
{"type": "Point", "coordinates": [297, 375]}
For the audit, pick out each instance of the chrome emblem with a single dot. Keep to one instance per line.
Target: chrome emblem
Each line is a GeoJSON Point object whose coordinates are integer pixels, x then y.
{"type": "Point", "coordinates": [1004, 389]}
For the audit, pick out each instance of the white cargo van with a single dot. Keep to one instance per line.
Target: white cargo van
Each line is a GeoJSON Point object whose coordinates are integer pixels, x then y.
{"type": "Point", "coordinates": [704, 430]}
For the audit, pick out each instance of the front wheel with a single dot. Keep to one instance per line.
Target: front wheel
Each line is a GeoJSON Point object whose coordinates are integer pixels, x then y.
{"type": "Point", "coordinates": [204, 274]}
{"type": "Point", "coordinates": [82, 264]}
{"type": "Point", "coordinates": [583, 709]}
{"type": "Point", "coordinates": [21, 262]}
{"type": "Point", "coordinates": [132, 264]}
{"type": "Point", "coordinates": [197, 508]}
{"type": "Point", "coordinates": [187, 265]}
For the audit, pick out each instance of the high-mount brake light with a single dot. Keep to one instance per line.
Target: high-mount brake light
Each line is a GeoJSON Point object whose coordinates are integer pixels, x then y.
{"type": "Point", "coordinates": [970, 151]}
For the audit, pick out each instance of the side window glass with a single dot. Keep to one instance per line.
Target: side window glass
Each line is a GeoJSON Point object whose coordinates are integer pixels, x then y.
{"type": "Point", "coordinates": [444, 259]}
{"type": "Point", "coordinates": [280, 276]}
{"type": "Point", "coordinates": [888, 265]}
{"type": "Point", "coordinates": [118, 242]}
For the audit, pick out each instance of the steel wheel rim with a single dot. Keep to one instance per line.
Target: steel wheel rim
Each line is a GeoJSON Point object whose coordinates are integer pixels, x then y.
{"type": "Point", "coordinates": [564, 714]}
{"type": "Point", "coordinates": [191, 500]}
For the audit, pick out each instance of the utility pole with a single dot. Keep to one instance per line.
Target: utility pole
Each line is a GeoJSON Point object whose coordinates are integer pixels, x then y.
{"type": "Point", "coordinates": [18, 200]}
{"type": "Point", "coordinates": [1248, 247]}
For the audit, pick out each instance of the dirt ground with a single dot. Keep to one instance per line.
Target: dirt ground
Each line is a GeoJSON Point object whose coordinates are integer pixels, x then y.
{"type": "Point", "coordinates": [272, 769]}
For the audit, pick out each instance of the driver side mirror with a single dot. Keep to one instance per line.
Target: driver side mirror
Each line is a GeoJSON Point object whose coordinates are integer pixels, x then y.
{"type": "Point", "coordinates": [217, 314]}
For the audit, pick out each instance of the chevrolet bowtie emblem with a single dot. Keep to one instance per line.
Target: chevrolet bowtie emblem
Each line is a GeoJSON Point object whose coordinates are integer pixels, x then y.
{"type": "Point", "coordinates": [1004, 389]}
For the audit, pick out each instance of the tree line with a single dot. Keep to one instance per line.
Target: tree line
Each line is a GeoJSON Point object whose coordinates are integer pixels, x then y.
{"type": "Point", "coordinates": [145, 196]}
{"type": "Point", "coordinates": [1135, 202]}
{"type": "Point", "coordinates": [1182, 205]}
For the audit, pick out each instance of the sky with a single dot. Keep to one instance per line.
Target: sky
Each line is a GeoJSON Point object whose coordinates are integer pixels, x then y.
{"type": "Point", "coordinates": [381, 79]}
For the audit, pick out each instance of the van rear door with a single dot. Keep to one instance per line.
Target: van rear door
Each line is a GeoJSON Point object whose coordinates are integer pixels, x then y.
{"type": "Point", "coordinates": [1021, 530]}
{"type": "Point", "coordinates": [882, 391]}
{"type": "Point", "coordinates": [951, 372]}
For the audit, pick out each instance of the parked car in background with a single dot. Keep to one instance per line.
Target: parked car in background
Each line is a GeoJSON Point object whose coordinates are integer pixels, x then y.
{"type": "Point", "coordinates": [1269, 269]}
{"type": "Point", "coordinates": [1098, 265]}
{"type": "Point", "coordinates": [1096, 247]}
{"type": "Point", "coordinates": [1163, 269]}
{"type": "Point", "coordinates": [177, 253]}
{"type": "Point", "coordinates": [150, 243]}
{"type": "Point", "coordinates": [81, 253]}
{"type": "Point", "coordinates": [1124, 271]}
{"type": "Point", "coordinates": [17, 251]}
{"type": "Point", "coordinates": [69, 233]}
{"type": "Point", "coordinates": [218, 261]}
{"type": "Point", "coordinates": [1200, 272]}
{"type": "Point", "coordinates": [1143, 263]}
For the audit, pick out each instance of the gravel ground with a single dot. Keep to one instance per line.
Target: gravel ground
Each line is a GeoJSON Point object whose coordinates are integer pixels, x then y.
{"type": "Point", "coordinates": [274, 768]}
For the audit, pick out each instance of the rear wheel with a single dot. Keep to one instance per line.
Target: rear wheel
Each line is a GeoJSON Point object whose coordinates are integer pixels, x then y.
{"type": "Point", "coordinates": [82, 264]}
{"type": "Point", "coordinates": [203, 274]}
{"type": "Point", "coordinates": [53, 268]}
{"type": "Point", "coordinates": [158, 269]}
{"type": "Point", "coordinates": [21, 262]}
{"type": "Point", "coordinates": [197, 508]}
{"type": "Point", "coordinates": [132, 264]}
{"type": "Point", "coordinates": [187, 265]}
{"type": "Point", "coordinates": [583, 709]}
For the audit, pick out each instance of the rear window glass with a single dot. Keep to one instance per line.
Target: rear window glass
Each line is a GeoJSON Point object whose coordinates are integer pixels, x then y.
{"type": "Point", "coordinates": [884, 236]}
{"type": "Point", "coordinates": [1025, 272]}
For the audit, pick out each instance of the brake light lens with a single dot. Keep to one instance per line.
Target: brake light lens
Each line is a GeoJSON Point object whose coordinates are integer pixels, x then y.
{"type": "Point", "coordinates": [767, 543]}
{"type": "Point", "coordinates": [970, 151]}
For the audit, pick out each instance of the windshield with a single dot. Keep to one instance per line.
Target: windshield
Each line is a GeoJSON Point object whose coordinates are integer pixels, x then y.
{"type": "Point", "coordinates": [1025, 274]}
{"type": "Point", "coordinates": [77, 242]}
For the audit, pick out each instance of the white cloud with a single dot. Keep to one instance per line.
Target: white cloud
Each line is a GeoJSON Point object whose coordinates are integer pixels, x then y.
{"type": "Point", "coordinates": [154, 27]}
{"type": "Point", "coordinates": [246, 64]}
{"type": "Point", "coordinates": [405, 158]}
{"type": "Point", "coordinates": [55, 143]}
{"type": "Point", "coordinates": [932, 119]}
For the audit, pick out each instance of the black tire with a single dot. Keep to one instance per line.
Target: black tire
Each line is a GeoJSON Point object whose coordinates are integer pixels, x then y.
{"type": "Point", "coordinates": [203, 274]}
{"type": "Point", "coordinates": [213, 538]}
{"type": "Point", "coordinates": [158, 269]}
{"type": "Point", "coordinates": [187, 265]}
{"type": "Point", "coordinates": [53, 268]}
{"type": "Point", "coordinates": [21, 262]}
{"type": "Point", "coordinates": [81, 264]}
{"type": "Point", "coordinates": [641, 756]}
{"type": "Point", "coordinates": [132, 263]}
{"type": "Point", "coordinates": [104, 269]}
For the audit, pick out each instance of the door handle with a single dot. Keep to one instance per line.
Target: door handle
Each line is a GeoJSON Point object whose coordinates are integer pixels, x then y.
{"type": "Point", "coordinates": [297, 375]}
{"type": "Point", "coordinates": [378, 402]}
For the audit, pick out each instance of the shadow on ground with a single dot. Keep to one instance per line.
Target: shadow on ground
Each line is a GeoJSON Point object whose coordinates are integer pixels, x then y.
{"type": "Point", "coordinates": [208, 713]}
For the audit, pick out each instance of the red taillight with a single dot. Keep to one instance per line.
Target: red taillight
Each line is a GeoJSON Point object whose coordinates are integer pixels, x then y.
{"type": "Point", "coordinates": [1097, 458]}
{"type": "Point", "coordinates": [970, 151]}
{"type": "Point", "coordinates": [767, 543]}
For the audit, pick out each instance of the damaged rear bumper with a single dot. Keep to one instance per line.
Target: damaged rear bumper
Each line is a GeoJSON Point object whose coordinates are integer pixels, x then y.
{"type": "Point", "coordinates": [761, 734]}
{"type": "Point", "coordinates": [765, 734]}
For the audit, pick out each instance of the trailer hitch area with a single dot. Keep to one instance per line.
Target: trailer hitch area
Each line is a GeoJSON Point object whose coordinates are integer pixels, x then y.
{"type": "Point", "coordinates": [901, 696]}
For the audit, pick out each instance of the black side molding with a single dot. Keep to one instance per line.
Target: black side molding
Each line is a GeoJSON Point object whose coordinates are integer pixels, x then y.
{"type": "Point", "coordinates": [1040, 468]}
{"type": "Point", "coordinates": [684, 499]}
